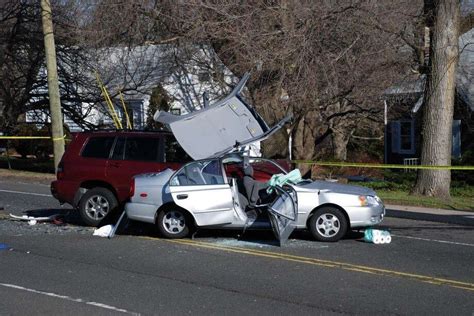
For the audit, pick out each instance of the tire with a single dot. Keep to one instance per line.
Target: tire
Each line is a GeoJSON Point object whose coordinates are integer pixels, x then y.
{"type": "Point", "coordinates": [328, 224]}
{"type": "Point", "coordinates": [173, 222]}
{"type": "Point", "coordinates": [96, 204]}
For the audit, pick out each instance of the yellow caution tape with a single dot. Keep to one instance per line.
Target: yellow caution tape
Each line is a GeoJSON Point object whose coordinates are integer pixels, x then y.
{"type": "Point", "coordinates": [381, 166]}
{"type": "Point", "coordinates": [33, 137]}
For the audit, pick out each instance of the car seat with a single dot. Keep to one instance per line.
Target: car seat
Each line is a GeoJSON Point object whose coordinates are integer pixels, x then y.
{"type": "Point", "coordinates": [249, 184]}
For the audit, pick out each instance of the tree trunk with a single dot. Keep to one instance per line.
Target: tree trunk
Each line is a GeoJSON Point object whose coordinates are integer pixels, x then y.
{"type": "Point", "coordinates": [53, 83]}
{"type": "Point", "coordinates": [303, 143]}
{"type": "Point", "coordinates": [340, 139]}
{"type": "Point", "coordinates": [439, 100]}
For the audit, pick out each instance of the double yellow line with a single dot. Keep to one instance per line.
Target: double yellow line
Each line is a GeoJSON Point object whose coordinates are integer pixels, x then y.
{"type": "Point", "coordinates": [323, 263]}
{"type": "Point", "coordinates": [381, 166]}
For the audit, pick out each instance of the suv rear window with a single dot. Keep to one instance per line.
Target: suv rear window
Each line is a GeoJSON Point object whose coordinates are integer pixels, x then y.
{"type": "Point", "coordinates": [142, 148]}
{"type": "Point", "coordinates": [174, 152]}
{"type": "Point", "coordinates": [98, 147]}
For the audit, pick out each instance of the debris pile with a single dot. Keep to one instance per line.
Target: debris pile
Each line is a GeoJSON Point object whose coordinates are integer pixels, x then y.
{"type": "Point", "coordinates": [377, 236]}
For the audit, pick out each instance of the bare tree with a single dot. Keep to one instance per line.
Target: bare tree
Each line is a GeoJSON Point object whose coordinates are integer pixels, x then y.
{"type": "Point", "coordinates": [22, 65]}
{"type": "Point", "coordinates": [22, 54]}
{"type": "Point", "coordinates": [83, 48]}
{"type": "Point", "coordinates": [326, 62]}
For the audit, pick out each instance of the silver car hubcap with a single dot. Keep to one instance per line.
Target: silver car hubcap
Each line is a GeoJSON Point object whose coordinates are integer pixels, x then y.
{"type": "Point", "coordinates": [97, 207]}
{"type": "Point", "coordinates": [328, 225]}
{"type": "Point", "coordinates": [174, 222]}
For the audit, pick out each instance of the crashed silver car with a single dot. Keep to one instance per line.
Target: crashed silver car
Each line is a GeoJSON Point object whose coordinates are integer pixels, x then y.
{"type": "Point", "coordinates": [223, 188]}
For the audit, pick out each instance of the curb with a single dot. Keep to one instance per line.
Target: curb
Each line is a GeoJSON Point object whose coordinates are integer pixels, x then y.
{"type": "Point", "coordinates": [465, 219]}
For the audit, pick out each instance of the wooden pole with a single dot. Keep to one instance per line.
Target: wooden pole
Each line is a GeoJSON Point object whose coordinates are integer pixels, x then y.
{"type": "Point", "coordinates": [53, 83]}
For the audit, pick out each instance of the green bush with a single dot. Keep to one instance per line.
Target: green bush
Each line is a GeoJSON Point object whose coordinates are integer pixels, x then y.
{"type": "Point", "coordinates": [24, 147]}
{"type": "Point", "coordinates": [41, 148]}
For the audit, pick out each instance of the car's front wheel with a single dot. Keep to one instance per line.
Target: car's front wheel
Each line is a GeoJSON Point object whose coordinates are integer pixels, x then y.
{"type": "Point", "coordinates": [173, 222]}
{"type": "Point", "coordinates": [96, 204]}
{"type": "Point", "coordinates": [328, 224]}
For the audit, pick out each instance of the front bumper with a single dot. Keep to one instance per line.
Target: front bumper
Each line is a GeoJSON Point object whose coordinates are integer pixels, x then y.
{"type": "Point", "coordinates": [365, 216]}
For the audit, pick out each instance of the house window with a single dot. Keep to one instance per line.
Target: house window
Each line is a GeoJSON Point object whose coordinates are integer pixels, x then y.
{"type": "Point", "coordinates": [204, 77]}
{"type": "Point", "coordinates": [406, 136]}
{"type": "Point", "coordinates": [403, 137]}
{"type": "Point", "coordinates": [456, 151]}
{"type": "Point", "coordinates": [135, 113]}
{"type": "Point", "coordinates": [175, 111]}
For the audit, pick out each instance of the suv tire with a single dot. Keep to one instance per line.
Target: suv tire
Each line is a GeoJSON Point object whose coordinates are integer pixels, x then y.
{"type": "Point", "coordinates": [96, 204]}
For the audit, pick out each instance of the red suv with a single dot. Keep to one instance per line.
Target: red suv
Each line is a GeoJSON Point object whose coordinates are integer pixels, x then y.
{"type": "Point", "coordinates": [95, 172]}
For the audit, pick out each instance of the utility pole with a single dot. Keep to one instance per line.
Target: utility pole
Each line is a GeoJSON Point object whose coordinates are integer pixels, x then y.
{"type": "Point", "coordinates": [53, 84]}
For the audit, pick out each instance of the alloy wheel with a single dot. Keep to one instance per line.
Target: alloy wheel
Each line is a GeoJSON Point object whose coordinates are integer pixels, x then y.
{"type": "Point", "coordinates": [328, 225]}
{"type": "Point", "coordinates": [97, 207]}
{"type": "Point", "coordinates": [174, 222]}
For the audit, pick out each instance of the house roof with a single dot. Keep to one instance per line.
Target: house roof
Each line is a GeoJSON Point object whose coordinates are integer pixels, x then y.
{"type": "Point", "coordinates": [464, 76]}
{"type": "Point", "coordinates": [179, 70]}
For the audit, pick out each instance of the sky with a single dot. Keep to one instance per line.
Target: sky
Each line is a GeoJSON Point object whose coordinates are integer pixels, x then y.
{"type": "Point", "coordinates": [467, 6]}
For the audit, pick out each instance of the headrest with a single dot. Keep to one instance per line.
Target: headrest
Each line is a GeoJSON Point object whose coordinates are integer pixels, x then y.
{"type": "Point", "coordinates": [248, 170]}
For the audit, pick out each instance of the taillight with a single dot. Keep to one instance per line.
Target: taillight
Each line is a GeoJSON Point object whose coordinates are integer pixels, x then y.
{"type": "Point", "coordinates": [132, 187]}
{"type": "Point", "coordinates": [60, 170]}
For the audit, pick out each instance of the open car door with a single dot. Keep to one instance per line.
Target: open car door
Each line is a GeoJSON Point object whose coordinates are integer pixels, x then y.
{"type": "Point", "coordinates": [200, 188]}
{"type": "Point", "coordinates": [283, 213]}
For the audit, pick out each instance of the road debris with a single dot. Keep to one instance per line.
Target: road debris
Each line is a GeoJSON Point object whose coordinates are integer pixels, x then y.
{"type": "Point", "coordinates": [32, 220]}
{"type": "Point", "coordinates": [103, 231]}
{"type": "Point", "coordinates": [377, 236]}
{"type": "Point", "coordinates": [4, 246]}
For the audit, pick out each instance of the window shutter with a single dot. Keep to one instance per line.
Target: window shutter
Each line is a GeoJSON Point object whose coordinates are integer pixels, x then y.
{"type": "Point", "coordinates": [412, 137]}
{"type": "Point", "coordinates": [456, 150]}
{"type": "Point", "coordinates": [395, 136]}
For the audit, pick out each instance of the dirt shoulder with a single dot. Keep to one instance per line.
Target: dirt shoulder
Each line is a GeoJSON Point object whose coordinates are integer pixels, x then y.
{"type": "Point", "coordinates": [43, 178]}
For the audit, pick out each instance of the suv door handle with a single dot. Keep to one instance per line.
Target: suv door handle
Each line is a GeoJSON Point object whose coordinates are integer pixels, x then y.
{"type": "Point", "coordinates": [182, 196]}
{"type": "Point", "coordinates": [115, 164]}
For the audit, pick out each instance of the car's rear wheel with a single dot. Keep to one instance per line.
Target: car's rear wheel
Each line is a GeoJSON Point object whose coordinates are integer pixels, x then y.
{"type": "Point", "coordinates": [173, 222]}
{"type": "Point", "coordinates": [328, 224]}
{"type": "Point", "coordinates": [96, 204]}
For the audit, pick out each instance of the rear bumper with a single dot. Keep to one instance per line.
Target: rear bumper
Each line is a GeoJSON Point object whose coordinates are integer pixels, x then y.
{"type": "Point", "coordinates": [141, 212]}
{"type": "Point", "coordinates": [63, 191]}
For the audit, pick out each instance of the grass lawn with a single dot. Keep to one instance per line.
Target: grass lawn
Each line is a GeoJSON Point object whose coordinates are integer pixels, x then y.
{"type": "Point", "coordinates": [460, 202]}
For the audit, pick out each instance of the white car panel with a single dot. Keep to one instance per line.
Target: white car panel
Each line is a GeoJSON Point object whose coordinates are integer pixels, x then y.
{"type": "Point", "coordinates": [219, 128]}
{"type": "Point", "coordinates": [141, 212]}
{"type": "Point", "coordinates": [210, 204]}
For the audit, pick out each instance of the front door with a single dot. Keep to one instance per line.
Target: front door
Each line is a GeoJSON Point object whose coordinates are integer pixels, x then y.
{"type": "Point", "coordinates": [283, 213]}
{"type": "Point", "coordinates": [201, 188]}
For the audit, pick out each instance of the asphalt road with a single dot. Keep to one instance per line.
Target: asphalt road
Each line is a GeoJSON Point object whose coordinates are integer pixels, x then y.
{"type": "Point", "coordinates": [49, 269]}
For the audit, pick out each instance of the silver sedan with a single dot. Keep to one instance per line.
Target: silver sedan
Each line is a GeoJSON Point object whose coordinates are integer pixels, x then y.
{"type": "Point", "coordinates": [223, 188]}
{"type": "Point", "coordinates": [214, 193]}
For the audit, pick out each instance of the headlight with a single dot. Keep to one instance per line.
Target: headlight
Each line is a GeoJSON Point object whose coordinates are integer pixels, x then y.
{"type": "Point", "coordinates": [368, 200]}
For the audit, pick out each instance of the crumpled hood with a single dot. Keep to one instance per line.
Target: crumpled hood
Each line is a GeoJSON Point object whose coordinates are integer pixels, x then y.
{"type": "Point", "coordinates": [339, 188]}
